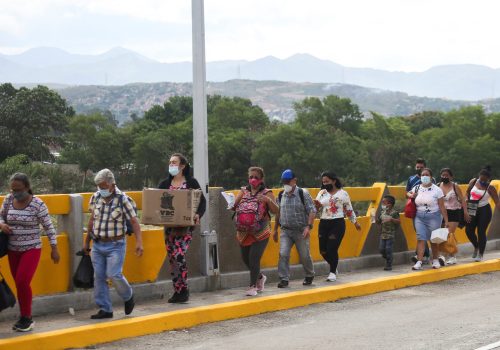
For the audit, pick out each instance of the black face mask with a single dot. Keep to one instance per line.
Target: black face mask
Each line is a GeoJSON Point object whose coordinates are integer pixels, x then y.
{"type": "Point", "coordinates": [445, 180]}
{"type": "Point", "coordinates": [419, 172]}
{"type": "Point", "coordinates": [328, 187]}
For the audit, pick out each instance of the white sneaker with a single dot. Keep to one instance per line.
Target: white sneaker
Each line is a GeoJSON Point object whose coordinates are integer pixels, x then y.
{"type": "Point", "coordinates": [417, 266]}
{"type": "Point", "coordinates": [478, 258]}
{"type": "Point", "coordinates": [436, 264]}
{"type": "Point", "coordinates": [441, 260]}
{"type": "Point", "coordinates": [251, 292]}
{"type": "Point", "coordinates": [451, 261]}
{"type": "Point", "coordinates": [476, 252]}
{"type": "Point", "coordinates": [260, 283]}
{"type": "Point", "coordinates": [331, 277]}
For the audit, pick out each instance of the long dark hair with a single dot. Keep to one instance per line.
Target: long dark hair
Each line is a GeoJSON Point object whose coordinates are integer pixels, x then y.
{"type": "Point", "coordinates": [332, 176]}
{"type": "Point", "coordinates": [186, 172]}
{"type": "Point", "coordinates": [22, 177]}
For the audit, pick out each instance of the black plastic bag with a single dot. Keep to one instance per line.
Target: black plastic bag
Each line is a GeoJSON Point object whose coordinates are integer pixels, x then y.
{"type": "Point", "coordinates": [84, 275]}
{"type": "Point", "coordinates": [7, 298]}
{"type": "Point", "coordinates": [4, 244]}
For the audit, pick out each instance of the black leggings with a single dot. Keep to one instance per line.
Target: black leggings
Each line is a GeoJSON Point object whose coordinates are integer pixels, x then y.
{"type": "Point", "coordinates": [251, 257]}
{"type": "Point", "coordinates": [481, 221]}
{"type": "Point", "coordinates": [330, 236]}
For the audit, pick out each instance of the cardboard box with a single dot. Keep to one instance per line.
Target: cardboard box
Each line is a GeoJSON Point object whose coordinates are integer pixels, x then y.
{"type": "Point", "coordinates": [169, 207]}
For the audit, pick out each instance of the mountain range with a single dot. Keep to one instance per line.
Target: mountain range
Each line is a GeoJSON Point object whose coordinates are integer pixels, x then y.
{"type": "Point", "coordinates": [121, 66]}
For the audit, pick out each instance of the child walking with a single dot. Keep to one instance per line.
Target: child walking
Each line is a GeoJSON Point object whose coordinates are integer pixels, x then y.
{"type": "Point", "coordinates": [388, 222]}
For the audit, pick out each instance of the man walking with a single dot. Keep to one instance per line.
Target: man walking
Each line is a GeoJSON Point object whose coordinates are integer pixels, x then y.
{"type": "Point", "coordinates": [296, 218]}
{"type": "Point", "coordinates": [109, 211]}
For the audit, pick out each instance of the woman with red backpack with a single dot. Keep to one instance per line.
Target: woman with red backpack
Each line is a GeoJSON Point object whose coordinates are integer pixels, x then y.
{"type": "Point", "coordinates": [253, 225]}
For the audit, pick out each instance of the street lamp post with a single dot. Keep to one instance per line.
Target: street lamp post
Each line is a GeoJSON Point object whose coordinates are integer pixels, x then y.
{"type": "Point", "coordinates": [209, 256]}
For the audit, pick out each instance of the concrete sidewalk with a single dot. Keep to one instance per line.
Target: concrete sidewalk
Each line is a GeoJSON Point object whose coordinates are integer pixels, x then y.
{"type": "Point", "coordinates": [401, 276]}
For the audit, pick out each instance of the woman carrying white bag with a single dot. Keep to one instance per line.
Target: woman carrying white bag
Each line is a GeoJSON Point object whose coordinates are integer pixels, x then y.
{"type": "Point", "coordinates": [429, 200]}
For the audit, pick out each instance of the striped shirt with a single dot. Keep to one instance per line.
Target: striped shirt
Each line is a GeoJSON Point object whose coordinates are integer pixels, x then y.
{"type": "Point", "coordinates": [25, 224]}
{"type": "Point", "coordinates": [110, 217]}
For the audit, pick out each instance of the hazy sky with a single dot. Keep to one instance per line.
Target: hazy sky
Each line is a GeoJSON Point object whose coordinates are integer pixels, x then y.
{"type": "Point", "coordinates": [410, 35]}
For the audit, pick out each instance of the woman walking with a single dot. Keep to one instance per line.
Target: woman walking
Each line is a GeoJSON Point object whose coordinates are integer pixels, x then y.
{"type": "Point", "coordinates": [456, 207]}
{"type": "Point", "coordinates": [178, 239]}
{"type": "Point", "coordinates": [21, 215]}
{"type": "Point", "coordinates": [334, 206]}
{"type": "Point", "coordinates": [429, 200]}
{"type": "Point", "coordinates": [253, 225]}
{"type": "Point", "coordinates": [479, 193]}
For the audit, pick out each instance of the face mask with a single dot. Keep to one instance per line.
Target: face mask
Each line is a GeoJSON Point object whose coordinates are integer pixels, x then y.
{"type": "Point", "coordinates": [287, 188]}
{"type": "Point", "coordinates": [426, 180]}
{"type": "Point", "coordinates": [20, 196]}
{"type": "Point", "coordinates": [327, 187]}
{"type": "Point", "coordinates": [384, 207]}
{"type": "Point", "coordinates": [445, 180]}
{"type": "Point", "coordinates": [483, 183]}
{"type": "Point", "coordinates": [104, 192]}
{"type": "Point", "coordinates": [419, 172]}
{"type": "Point", "coordinates": [254, 182]}
{"type": "Point", "coordinates": [173, 170]}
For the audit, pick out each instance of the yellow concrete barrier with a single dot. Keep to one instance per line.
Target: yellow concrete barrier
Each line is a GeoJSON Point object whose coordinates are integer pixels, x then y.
{"type": "Point", "coordinates": [49, 278]}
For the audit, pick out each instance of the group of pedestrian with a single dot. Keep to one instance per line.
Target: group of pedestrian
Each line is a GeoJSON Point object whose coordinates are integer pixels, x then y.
{"type": "Point", "coordinates": [295, 212]}
{"type": "Point", "coordinates": [444, 205]}
{"type": "Point", "coordinates": [112, 212]}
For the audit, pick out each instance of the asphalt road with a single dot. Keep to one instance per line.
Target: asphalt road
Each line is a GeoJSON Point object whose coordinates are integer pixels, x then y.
{"type": "Point", "coordinates": [456, 314]}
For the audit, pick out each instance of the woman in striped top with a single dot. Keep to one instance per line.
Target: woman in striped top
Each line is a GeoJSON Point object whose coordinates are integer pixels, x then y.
{"type": "Point", "coordinates": [21, 215]}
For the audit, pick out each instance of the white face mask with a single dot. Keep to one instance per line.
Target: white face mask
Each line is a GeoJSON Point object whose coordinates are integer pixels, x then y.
{"type": "Point", "coordinates": [287, 188]}
{"type": "Point", "coordinates": [173, 170]}
{"type": "Point", "coordinates": [384, 207]}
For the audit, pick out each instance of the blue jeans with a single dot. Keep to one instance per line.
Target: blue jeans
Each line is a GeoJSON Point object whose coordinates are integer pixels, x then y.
{"type": "Point", "coordinates": [425, 223]}
{"type": "Point", "coordinates": [107, 259]}
{"type": "Point", "coordinates": [385, 247]}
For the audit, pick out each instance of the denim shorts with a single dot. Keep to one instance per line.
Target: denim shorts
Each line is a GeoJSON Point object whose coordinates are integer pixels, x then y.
{"type": "Point", "coordinates": [425, 223]}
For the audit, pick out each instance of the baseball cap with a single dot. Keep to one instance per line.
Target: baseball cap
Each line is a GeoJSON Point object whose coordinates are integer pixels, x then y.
{"type": "Point", "coordinates": [287, 175]}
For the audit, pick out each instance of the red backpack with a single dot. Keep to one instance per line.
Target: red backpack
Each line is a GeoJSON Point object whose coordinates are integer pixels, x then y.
{"type": "Point", "coordinates": [250, 213]}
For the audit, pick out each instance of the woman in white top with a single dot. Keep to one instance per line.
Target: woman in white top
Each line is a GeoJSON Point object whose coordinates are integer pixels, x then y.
{"type": "Point", "coordinates": [478, 197]}
{"type": "Point", "coordinates": [456, 207]}
{"type": "Point", "coordinates": [429, 200]}
{"type": "Point", "coordinates": [333, 204]}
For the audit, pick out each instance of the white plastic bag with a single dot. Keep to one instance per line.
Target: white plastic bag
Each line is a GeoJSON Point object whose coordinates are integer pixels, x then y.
{"type": "Point", "coordinates": [440, 235]}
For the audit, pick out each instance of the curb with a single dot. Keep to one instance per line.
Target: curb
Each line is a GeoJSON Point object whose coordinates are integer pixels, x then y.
{"type": "Point", "coordinates": [133, 327]}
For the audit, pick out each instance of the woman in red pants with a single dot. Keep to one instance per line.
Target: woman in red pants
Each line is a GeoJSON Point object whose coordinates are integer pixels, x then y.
{"type": "Point", "coordinates": [21, 215]}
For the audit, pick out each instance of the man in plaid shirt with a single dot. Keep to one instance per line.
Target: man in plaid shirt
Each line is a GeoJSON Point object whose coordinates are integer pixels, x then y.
{"type": "Point", "coordinates": [110, 209]}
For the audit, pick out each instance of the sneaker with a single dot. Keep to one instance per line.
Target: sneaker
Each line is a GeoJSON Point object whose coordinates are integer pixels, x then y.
{"type": "Point", "coordinates": [414, 259]}
{"type": "Point", "coordinates": [479, 257]}
{"type": "Point", "coordinates": [417, 266]}
{"type": "Point", "coordinates": [476, 252]}
{"type": "Point", "coordinates": [331, 277]}
{"type": "Point", "coordinates": [261, 282]}
{"type": "Point", "coordinates": [101, 314]}
{"type": "Point", "coordinates": [451, 261]}
{"type": "Point", "coordinates": [252, 291]}
{"type": "Point", "coordinates": [436, 264]}
{"type": "Point", "coordinates": [441, 260]}
{"type": "Point", "coordinates": [283, 284]}
{"type": "Point", "coordinates": [18, 323]}
{"type": "Point", "coordinates": [179, 297]}
{"type": "Point", "coordinates": [129, 305]}
{"type": "Point", "coordinates": [25, 324]}
{"type": "Point", "coordinates": [388, 267]}
{"type": "Point", "coordinates": [308, 281]}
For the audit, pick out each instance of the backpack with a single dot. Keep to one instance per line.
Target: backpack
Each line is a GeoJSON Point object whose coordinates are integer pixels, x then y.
{"type": "Point", "coordinates": [250, 213]}
{"type": "Point", "coordinates": [301, 195]}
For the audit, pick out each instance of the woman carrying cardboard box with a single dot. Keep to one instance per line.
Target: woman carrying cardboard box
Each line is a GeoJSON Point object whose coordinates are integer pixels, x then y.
{"type": "Point", "coordinates": [177, 239]}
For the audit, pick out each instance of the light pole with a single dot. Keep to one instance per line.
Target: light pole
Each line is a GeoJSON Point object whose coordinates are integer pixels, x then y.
{"type": "Point", "coordinates": [209, 263]}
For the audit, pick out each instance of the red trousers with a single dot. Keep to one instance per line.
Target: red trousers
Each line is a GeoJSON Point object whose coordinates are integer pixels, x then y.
{"type": "Point", "coordinates": [23, 266]}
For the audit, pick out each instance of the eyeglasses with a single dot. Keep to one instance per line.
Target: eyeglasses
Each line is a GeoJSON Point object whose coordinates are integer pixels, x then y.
{"type": "Point", "coordinates": [253, 177]}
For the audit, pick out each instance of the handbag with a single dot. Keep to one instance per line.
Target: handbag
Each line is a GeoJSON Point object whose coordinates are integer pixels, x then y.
{"type": "Point", "coordinates": [7, 298]}
{"type": "Point", "coordinates": [4, 238]}
{"type": "Point", "coordinates": [410, 207]}
{"type": "Point", "coordinates": [84, 275]}
{"type": "Point", "coordinates": [450, 246]}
